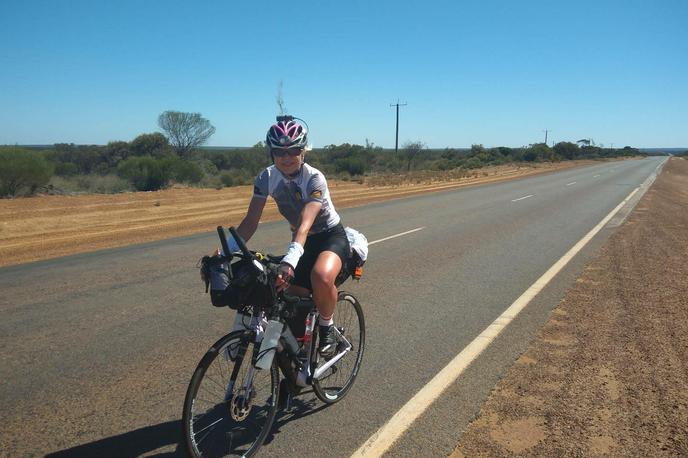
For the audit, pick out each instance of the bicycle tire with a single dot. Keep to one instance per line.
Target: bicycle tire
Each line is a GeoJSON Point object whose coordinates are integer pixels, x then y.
{"type": "Point", "coordinates": [335, 384]}
{"type": "Point", "coordinates": [212, 416]}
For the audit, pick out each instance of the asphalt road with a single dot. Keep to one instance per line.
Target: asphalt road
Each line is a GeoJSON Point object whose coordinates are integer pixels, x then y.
{"type": "Point", "coordinates": [97, 349]}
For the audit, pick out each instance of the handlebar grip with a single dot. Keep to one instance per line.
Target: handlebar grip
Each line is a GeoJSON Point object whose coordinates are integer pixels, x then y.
{"type": "Point", "coordinates": [223, 241]}
{"type": "Point", "coordinates": [240, 242]}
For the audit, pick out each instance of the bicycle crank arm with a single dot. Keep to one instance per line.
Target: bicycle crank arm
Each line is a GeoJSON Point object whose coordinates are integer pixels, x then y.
{"type": "Point", "coordinates": [321, 370]}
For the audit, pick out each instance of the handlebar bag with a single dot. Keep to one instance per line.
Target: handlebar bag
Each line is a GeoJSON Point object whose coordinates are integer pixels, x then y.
{"type": "Point", "coordinates": [237, 291]}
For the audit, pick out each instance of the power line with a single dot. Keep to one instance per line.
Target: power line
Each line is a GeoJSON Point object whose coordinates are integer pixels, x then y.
{"type": "Point", "coordinates": [396, 145]}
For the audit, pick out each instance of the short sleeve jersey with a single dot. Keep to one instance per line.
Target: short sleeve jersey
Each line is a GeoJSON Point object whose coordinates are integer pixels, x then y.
{"type": "Point", "coordinates": [292, 194]}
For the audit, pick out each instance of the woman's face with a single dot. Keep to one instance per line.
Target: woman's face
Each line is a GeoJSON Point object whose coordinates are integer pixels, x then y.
{"type": "Point", "coordinates": [288, 163]}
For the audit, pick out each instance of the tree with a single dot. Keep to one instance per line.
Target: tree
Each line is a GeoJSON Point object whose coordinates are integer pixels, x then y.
{"type": "Point", "coordinates": [185, 131]}
{"type": "Point", "coordinates": [410, 151]}
{"type": "Point", "coordinates": [22, 171]}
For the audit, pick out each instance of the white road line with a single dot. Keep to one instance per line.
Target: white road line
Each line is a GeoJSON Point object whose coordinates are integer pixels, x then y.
{"type": "Point", "coordinates": [571, 184]}
{"type": "Point", "coordinates": [595, 176]}
{"type": "Point", "coordinates": [396, 235]}
{"type": "Point", "coordinates": [521, 198]}
{"type": "Point", "coordinates": [385, 437]}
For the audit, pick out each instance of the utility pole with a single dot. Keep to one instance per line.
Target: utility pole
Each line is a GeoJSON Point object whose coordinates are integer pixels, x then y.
{"type": "Point", "coordinates": [546, 132]}
{"type": "Point", "coordinates": [396, 144]}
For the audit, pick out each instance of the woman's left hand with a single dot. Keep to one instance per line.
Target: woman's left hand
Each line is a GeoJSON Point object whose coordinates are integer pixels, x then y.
{"type": "Point", "coordinates": [285, 273]}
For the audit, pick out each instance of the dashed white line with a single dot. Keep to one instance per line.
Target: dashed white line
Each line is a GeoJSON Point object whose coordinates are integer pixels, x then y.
{"type": "Point", "coordinates": [571, 184]}
{"type": "Point", "coordinates": [396, 235]}
{"type": "Point", "coordinates": [595, 176]}
{"type": "Point", "coordinates": [524, 197]}
{"type": "Point", "coordinates": [385, 437]}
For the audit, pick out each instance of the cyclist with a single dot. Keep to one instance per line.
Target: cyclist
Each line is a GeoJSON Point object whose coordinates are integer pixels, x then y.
{"type": "Point", "coordinates": [319, 245]}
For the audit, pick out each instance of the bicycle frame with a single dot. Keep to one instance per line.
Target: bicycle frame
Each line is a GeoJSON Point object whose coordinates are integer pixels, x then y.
{"type": "Point", "coordinates": [305, 373]}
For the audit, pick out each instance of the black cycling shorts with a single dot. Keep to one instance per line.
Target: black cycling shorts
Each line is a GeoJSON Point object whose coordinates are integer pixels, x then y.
{"type": "Point", "coordinates": [333, 239]}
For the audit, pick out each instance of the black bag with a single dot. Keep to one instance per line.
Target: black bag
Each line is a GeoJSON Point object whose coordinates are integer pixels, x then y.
{"type": "Point", "coordinates": [240, 289]}
{"type": "Point", "coordinates": [349, 269]}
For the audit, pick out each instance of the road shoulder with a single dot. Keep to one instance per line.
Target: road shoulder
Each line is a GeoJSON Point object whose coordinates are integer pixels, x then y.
{"type": "Point", "coordinates": [608, 373]}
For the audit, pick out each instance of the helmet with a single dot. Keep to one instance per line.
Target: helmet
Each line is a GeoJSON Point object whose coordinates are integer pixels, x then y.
{"type": "Point", "coordinates": [286, 133]}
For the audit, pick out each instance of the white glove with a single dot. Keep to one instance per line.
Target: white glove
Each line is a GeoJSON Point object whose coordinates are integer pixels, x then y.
{"type": "Point", "coordinates": [294, 253]}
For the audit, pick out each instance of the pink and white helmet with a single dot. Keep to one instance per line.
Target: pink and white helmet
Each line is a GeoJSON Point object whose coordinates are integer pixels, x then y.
{"type": "Point", "coordinates": [286, 133]}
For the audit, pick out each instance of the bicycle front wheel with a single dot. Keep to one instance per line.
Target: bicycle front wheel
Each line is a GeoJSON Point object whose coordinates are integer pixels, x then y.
{"type": "Point", "coordinates": [230, 405]}
{"type": "Point", "coordinates": [333, 385]}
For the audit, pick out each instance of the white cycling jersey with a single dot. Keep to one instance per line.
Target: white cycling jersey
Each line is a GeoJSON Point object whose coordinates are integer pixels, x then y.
{"type": "Point", "coordinates": [292, 194]}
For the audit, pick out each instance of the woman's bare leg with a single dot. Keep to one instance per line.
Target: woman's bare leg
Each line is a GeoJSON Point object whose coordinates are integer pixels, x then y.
{"type": "Point", "coordinates": [323, 275]}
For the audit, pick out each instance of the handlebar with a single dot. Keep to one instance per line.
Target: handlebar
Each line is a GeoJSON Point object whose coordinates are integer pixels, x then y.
{"type": "Point", "coordinates": [241, 243]}
{"type": "Point", "coordinates": [249, 255]}
{"type": "Point", "coordinates": [223, 241]}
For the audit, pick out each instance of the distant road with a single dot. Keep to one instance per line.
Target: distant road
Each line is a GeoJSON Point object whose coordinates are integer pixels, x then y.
{"type": "Point", "coordinates": [97, 349]}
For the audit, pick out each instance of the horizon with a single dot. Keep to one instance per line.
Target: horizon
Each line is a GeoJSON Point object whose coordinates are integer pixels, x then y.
{"type": "Point", "coordinates": [467, 148]}
{"type": "Point", "coordinates": [608, 70]}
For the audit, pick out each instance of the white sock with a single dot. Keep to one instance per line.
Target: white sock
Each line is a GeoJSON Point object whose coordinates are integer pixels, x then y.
{"type": "Point", "coordinates": [325, 322]}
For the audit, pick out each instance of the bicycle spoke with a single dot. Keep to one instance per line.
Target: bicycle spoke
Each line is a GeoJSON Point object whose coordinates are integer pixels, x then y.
{"type": "Point", "coordinates": [211, 427]}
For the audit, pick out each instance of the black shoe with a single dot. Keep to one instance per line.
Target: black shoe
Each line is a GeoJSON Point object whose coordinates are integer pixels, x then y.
{"type": "Point", "coordinates": [327, 341]}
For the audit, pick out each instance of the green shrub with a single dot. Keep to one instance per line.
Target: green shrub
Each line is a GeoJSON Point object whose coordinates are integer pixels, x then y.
{"type": "Point", "coordinates": [226, 178]}
{"type": "Point", "coordinates": [92, 183]}
{"type": "Point", "coordinates": [183, 171]}
{"type": "Point", "coordinates": [353, 165]}
{"type": "Point", "coordinates": [22, 171]}
{"type": "Point", "coordinates": [473, 163]}
{"type": "Point", "coordinates": [235, 177]}
{"type": "Point", "coordinates": [144, 173]}
{"type": "Point", "coordinates": [66, 169]}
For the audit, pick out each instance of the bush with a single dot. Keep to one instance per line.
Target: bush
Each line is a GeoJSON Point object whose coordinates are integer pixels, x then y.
{"type": "Point", "coordinates": [183, 171]}
{"type": "Point", "coordinates": [226, 178]}
{"type": "Point", "coordinates": [473, 163]}
{"type": "Point", "coordinates": [530, 156]}
{"type": "Point", "coordinates": [92, 183]}
{"type": "Point", "coordinates": [154, 144]}
{"type": "Point", "coordinates": [355, 166]}
{"type": "Point", "coordinates": [22, 172]}
{"type": "Point", "coordinates": [236, 177]}
{"type": "Point", "coordinates": [145, 173]}
{"type": "Point", "coordinates": [66, 169]}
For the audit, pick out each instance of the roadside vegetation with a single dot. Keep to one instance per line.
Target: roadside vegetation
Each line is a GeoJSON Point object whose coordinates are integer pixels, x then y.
{"type": "Point", "coordinates": [153, 161]}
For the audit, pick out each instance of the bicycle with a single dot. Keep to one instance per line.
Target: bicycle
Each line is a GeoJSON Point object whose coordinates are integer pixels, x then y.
{"type": "Point", "coordinates": [235, 391]}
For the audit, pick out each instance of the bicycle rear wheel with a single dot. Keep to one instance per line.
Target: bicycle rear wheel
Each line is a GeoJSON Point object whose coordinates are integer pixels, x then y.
{"type": "Point", "coordinates": [348, 319]}
{"type": "Point", "coordinates": [222, 417]}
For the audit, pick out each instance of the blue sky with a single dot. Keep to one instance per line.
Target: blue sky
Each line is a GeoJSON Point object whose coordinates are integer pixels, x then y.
{"type": "Point", "coordinates": [489, 72]}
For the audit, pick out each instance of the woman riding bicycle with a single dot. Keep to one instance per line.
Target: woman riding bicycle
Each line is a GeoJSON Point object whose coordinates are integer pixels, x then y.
{"type": "Point", "coordinates": [319, 245]}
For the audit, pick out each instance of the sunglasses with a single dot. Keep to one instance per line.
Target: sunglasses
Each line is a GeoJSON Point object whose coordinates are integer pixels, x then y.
{"type": "Point", "coordinates": [279, 152]}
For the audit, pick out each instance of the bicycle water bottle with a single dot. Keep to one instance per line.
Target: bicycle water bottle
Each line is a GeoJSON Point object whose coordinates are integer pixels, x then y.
{"type": "Point", "coordinates": [269, 344]}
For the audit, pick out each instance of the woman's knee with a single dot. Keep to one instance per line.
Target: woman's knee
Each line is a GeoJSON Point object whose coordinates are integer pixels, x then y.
{"type": "Point", "coordinates": [322, 278]}
{"type": "Point", "coordinates": [326, 269]}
